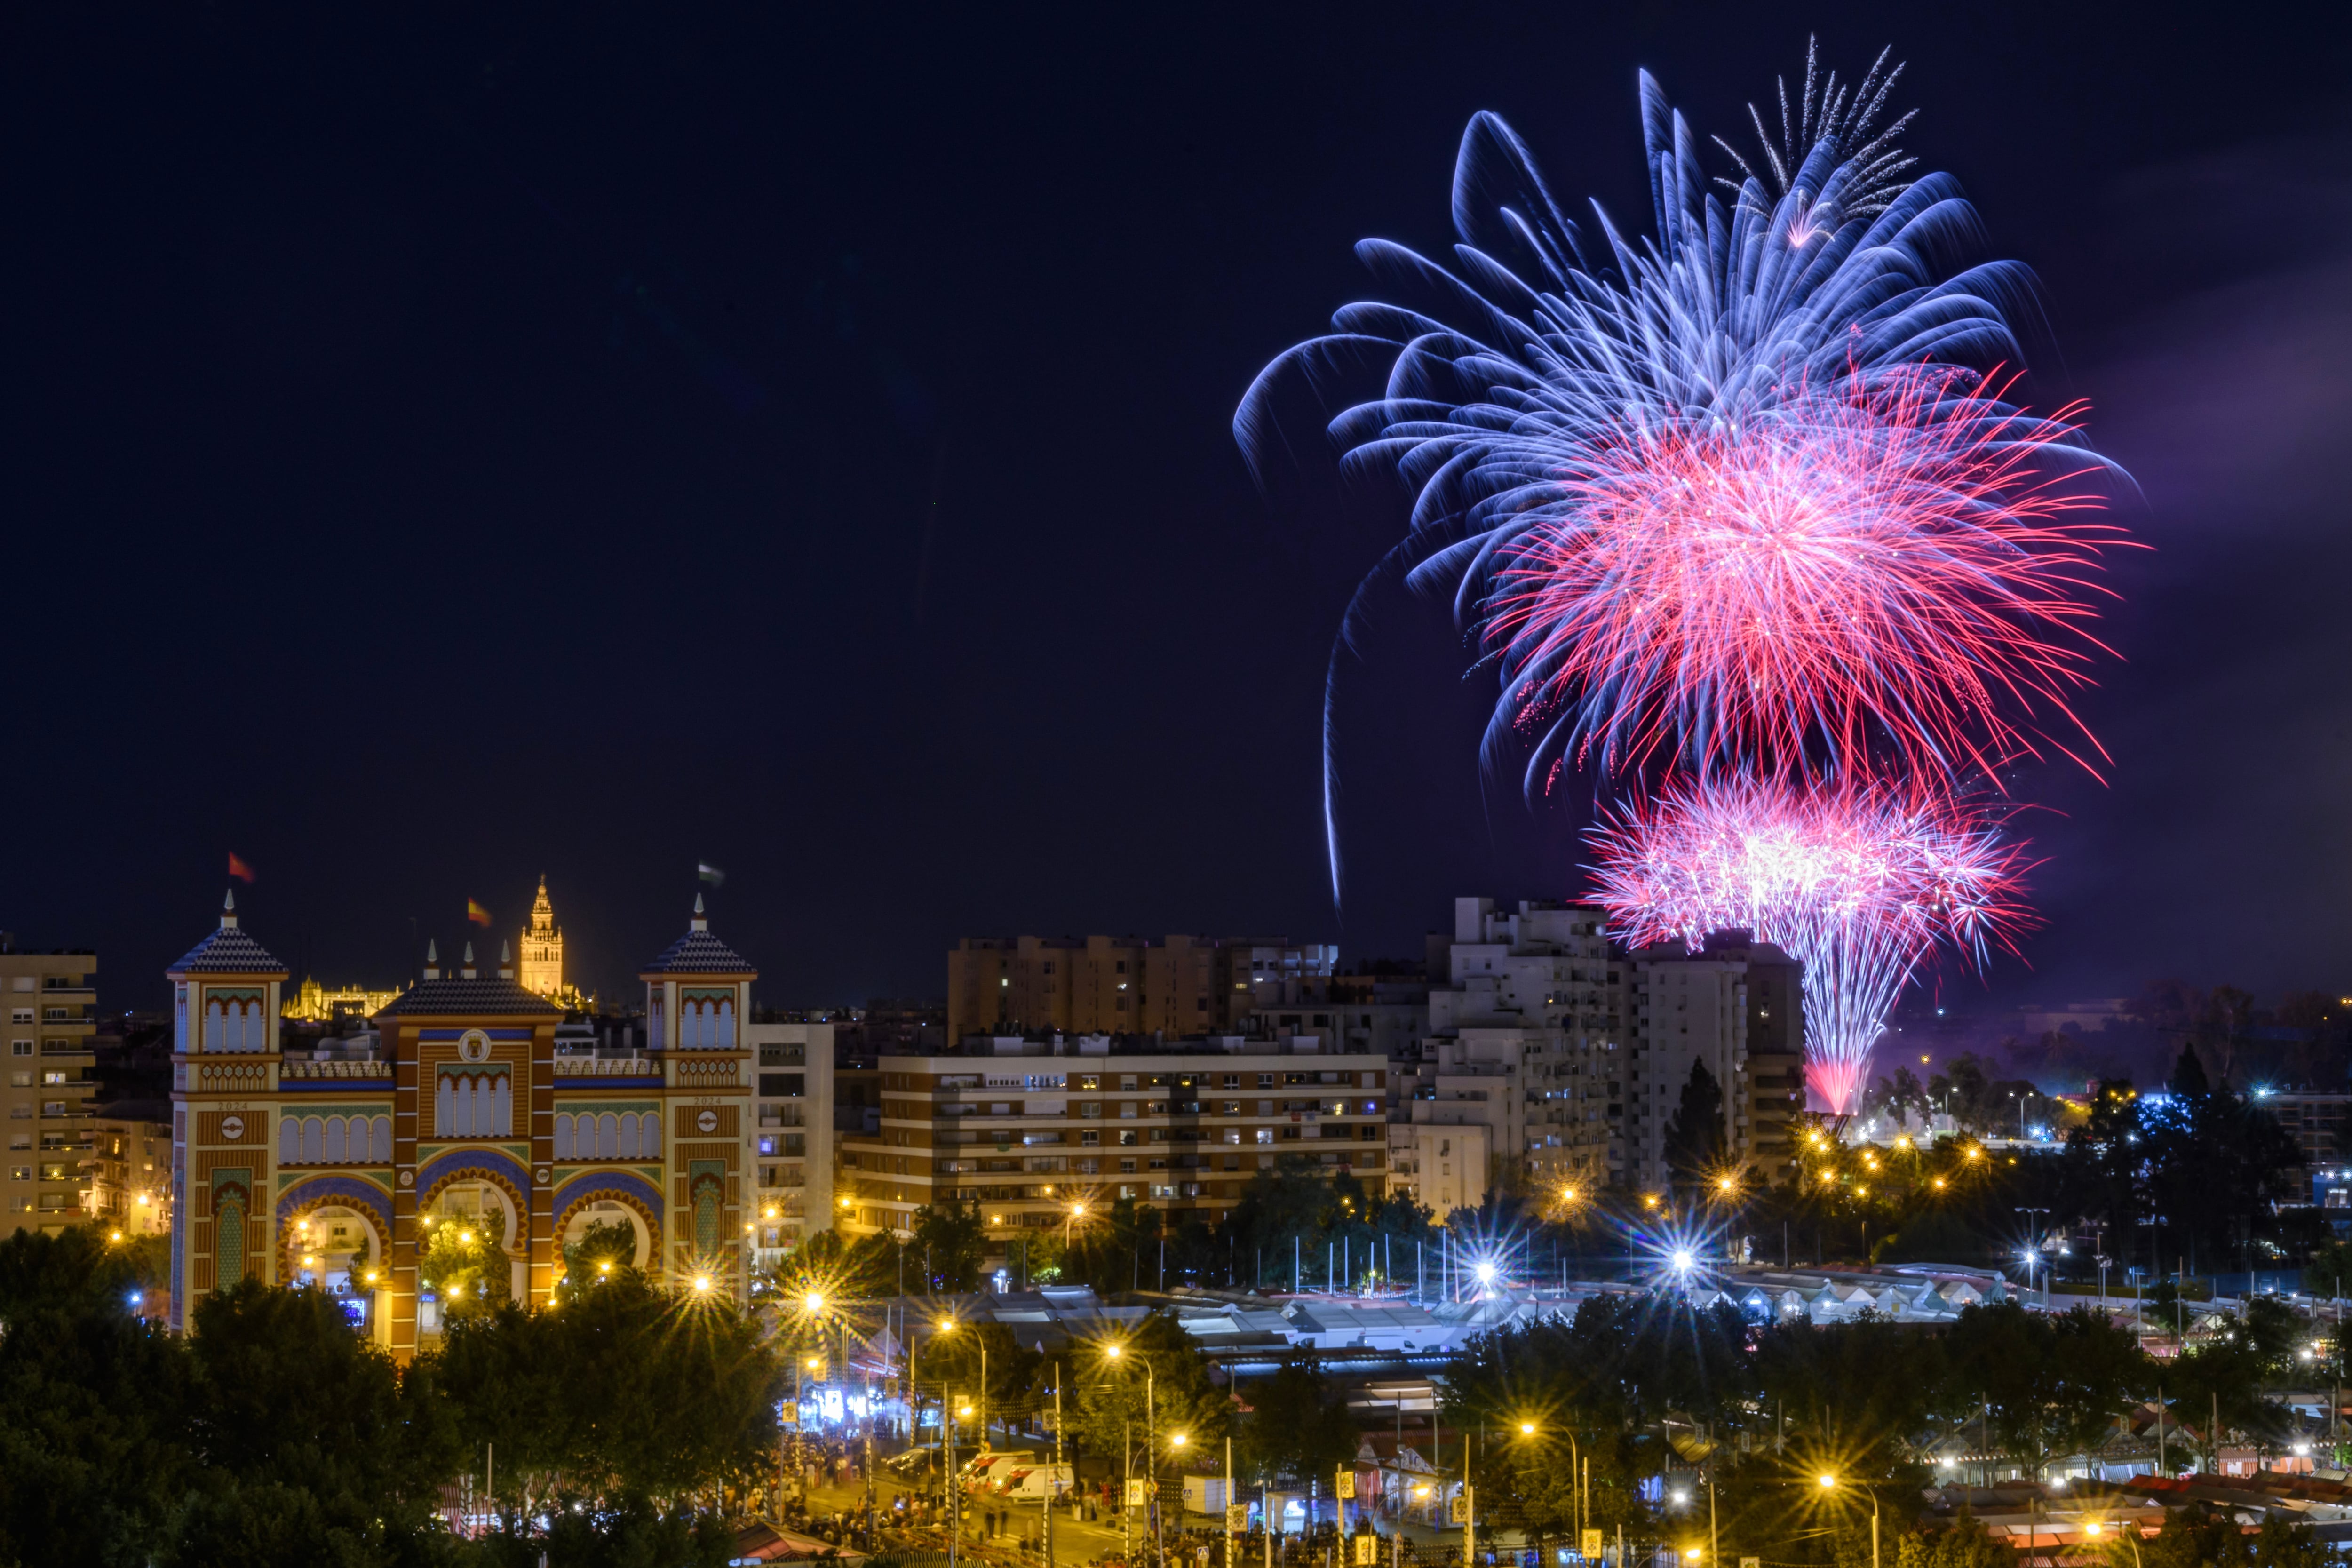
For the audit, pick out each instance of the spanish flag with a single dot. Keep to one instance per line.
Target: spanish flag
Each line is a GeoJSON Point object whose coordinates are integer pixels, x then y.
{"type": "Point", "coordinates": [240, 869]}
{"type": "Point", "coordinates": [476, 913]}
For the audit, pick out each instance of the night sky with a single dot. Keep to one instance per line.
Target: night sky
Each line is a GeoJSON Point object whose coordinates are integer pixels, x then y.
{"type": "Point", "coordinates": [450, 445]}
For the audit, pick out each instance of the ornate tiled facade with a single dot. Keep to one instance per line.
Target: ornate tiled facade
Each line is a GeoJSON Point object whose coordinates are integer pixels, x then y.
{"type": "Point", "coordinates": [287, 1167]}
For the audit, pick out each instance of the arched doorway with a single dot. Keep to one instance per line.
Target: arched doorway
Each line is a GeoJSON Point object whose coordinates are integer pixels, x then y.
{"type": "Point", "coordinates": [611, 1198]}
{"type": "Point", "coordinates": [334, 1234]}
{"type": "Point", "coordinates": [473, 1223]}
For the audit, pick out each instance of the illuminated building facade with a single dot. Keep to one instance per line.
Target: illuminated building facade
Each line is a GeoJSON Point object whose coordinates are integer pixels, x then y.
{"type": "Point", "coordinates": [1030, 1127]}
{"type": "Point", "coordinates": [330, 1164]}
{"type": "Point", "coordinates": [541, 955]}
{"type": "Point", "coordinates": [1125, 986]}
{"type": "Point", "coordinates": [131, 1189]}
{"type": "Point", "coordinates": [792, 1141]}
{"type": "Point", "coordinates": [52, 1000]}
{"type": "Point", "coordinates": [313, 1003]}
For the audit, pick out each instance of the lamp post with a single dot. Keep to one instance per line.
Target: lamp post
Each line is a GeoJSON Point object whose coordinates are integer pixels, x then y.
{"type": "Point", "coordinates": [1077, 1212]}
{"type": "Point", "coordinates": [2131, 1534]}
{"type": "Point", "coordinates": [1829, 1483]}
{"type": "Point", "coordinates": [1150, 1448]}
{"type": "Point", "coordinates": [2033, 1241]}
{"type": "Point", "coordinates": [948, 1326]}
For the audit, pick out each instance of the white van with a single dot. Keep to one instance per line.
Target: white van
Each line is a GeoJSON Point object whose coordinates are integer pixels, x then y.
{"type": "Point", "coordinates": [993, 1466]}
{"type": "Point", "coordinates": [1036, 1481]}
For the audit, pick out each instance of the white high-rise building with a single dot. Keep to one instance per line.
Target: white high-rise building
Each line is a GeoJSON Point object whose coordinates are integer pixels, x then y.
{"type": "Point", "coordinates": [1526, 1044]}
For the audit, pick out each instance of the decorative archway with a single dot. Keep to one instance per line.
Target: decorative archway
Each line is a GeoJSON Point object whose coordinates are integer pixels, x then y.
{"type": "Point", "coordinates": [372, 1203]}
{"type": "Point", "coordinates": [633, 1192]}
{"type": "Point", "coordinates": [503, 1174]}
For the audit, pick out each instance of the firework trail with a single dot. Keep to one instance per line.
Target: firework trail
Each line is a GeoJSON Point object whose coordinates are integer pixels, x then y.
{"type": "Point", "coordinates": [1859, 880]}
{"type": "Point", "coordinates": [1544, 386]}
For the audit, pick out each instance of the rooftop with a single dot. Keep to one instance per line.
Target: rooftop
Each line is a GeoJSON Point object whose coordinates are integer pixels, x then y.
{"type": "Point", "coordinates": [458, 996]}
{"type": "Point", "coordinates": [699, 952]}
{"type": "Point", "coordinates": [227, 951]}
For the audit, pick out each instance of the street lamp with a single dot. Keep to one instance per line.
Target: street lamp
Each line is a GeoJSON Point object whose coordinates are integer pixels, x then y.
{"type": "Point", "coordinates": [1077, 1212]}
{"type": "Point", "coordinates": [1150, 1448]}
{"type": "Point", "coordinates": [2130, 1532]}
{"type": "Point", "coordinates": [1829, 1484]}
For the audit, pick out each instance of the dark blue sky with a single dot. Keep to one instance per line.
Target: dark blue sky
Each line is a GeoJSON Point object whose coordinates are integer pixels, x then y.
{"type": "Point", "coordinates": [443, 445]}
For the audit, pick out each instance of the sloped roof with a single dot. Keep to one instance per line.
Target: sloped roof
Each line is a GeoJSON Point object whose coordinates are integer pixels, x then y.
{"type": "Point", "coordinates": [459, 996]}
{"type": "Point", "coordinates": [228, 951]}
{"type": "Point", "coordinates": [699, 952]}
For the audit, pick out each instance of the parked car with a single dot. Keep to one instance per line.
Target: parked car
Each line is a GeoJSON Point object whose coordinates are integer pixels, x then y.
{"type": "Point", "coordinates": [913, 1461]}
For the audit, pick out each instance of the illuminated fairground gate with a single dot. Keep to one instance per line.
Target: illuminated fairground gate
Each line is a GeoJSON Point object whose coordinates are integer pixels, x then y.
{"type": "Point", "coordinates": [331, 1165]}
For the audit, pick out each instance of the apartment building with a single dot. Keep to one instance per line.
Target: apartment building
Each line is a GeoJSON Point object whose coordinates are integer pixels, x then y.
{"type": "Point", "coordinates": [1525, 1042]}
{"type": "Point", "coordinates": [1737, 1005]}
{"type": "Point", "coordinates": [2316, 1120]}
{"type": "Point", "coordinates": [1034, 1128]}
{"type": "Point", "coordinates": [131, 1187]}
{"type": "Point", "coordinates": [1442, 1166]}
{"type": "Point", "coordinates": [51, 999]}
{"type": "Point", "coordinates": [792, 1134]}
{"type": "Point", "coordinates": [1181, 986]}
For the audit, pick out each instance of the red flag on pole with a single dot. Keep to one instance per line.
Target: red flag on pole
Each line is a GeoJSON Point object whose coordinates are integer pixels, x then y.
{"type": "Point", "coordinates": [240, 869]}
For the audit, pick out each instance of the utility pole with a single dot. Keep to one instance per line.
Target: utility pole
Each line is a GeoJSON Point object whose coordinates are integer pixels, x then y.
{"type": "Point", "coordinates": [1470, 1508]}
{"type": "Point", "coordinates": [955, 1513]}
{"type": "Point", "coordinates": [1151, 1463]}
{"type": "Point", "coordinates": [1227, 1560]}
{"type": "Point", "coordinates": [1053, 1494]}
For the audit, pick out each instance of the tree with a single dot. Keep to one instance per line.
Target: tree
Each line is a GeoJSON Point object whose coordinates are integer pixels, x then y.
{"type": "Point", "coordinates": [627, 1398]}
{"type": "Point", "coordinates": [947, 1242]}
{"type": "Point", "coordinates": [1695, 1141]}
{"type": "Point", "coordinates": [93, 1460]}
{"type": "Point", "coordinates": [1117, 1407]}
{"type": "Point", "coordinates": [2049, 1386]}
{"type": "Point", "coordinates": [950, 1362]}
{"type": "Point", "coordinates": [1965, 1543]}
{"type": "Point", "coordinates": [1108, 1252]}
{"type": "Point", "coordinates": [1865, 1391]}
{"type": "Point", "coordinates": [601, 1248]}
{"type": "Point", "coordinates": [1294, 1429]}
{"type": "Point", "coordinates": [463, 1261]}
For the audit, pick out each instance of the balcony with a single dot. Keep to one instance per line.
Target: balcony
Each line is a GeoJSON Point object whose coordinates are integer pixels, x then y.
{"type": "Point", "coordinates": [607, 1066]}
{"type": "Point", "coordinates": [360, 1068]}
{"type": "Point", "coordinates": [68, 1047]}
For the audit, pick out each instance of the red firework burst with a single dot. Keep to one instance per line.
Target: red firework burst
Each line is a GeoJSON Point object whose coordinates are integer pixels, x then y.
{"type": "Point", "coordinates": [1860, 881]}
{"type": "Point", "coordinates": [1899, 558]}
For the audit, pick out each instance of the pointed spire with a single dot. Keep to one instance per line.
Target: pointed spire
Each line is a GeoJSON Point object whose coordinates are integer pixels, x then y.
{"type": "Point", "coordinates": [228, 911]}
{"type": "Point", "coordinates": [466, 973]}
{"type": "Point", "coordinates": [505, 961]}
{"type": "Point", "coordinates": [700, 922]}
{"type": "Point", "coordinates": [432, 959]}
